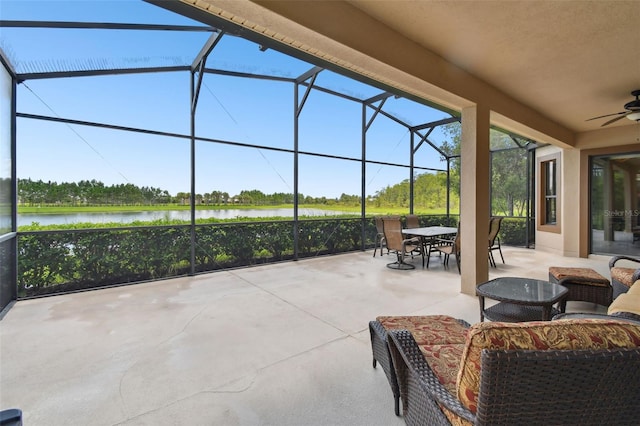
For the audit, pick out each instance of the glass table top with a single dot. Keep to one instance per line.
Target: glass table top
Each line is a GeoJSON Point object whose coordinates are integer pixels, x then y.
{"type": "Point", "coordinates": [524, 290]}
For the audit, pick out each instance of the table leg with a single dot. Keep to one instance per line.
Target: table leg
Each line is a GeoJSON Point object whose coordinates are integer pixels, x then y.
{"type": "Point", "coordinates": [427, 244]}
{"type": "Point", "coordinates": [546, 313]}
{"type": "Point", "coordinates": [481, 300]}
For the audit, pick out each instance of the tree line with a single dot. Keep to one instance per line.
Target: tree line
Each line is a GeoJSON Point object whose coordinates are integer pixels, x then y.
{"type": "Point", "coordinates": [96, 193]}
{"type": "Point", "coordinates": [87, 192]}
{"type": "Point", "coordinates": [429, 193]}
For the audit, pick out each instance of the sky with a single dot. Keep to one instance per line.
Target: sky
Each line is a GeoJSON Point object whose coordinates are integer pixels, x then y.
{"type": "Point", "coordinates": [251, 111]}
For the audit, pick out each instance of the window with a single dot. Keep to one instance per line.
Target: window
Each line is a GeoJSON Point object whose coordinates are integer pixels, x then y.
{"type": "Point", "coordinates": [549, 213]}
{"type": "Point", "coordinates": [550, 192]}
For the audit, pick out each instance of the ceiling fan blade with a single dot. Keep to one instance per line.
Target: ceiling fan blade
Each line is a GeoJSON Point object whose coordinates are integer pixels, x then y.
{"type": "Point", "coordinates": [616, 119]}
{"type": "Point", "coordinates": [608, 115]}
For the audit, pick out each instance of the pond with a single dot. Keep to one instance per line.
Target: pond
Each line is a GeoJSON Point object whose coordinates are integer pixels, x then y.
{"type": "Point", "coordinates": [147, 216]}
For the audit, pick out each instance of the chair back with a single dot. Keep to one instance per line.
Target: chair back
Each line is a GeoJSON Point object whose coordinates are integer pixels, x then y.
{"type": "Point", "coordinates": [393, 232]}
{"type": "Point", "coordinates": [379, 224]}
{"type": "Point", "coordinates": [456, 243]}
{"type": "Point", "coordinates": [494, 228]}
{"type": "Point", "coordinates": [413, 221]}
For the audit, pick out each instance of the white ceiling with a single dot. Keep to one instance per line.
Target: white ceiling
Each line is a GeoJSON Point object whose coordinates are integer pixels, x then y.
{"type": "Point", "coordinates": [570, 60]}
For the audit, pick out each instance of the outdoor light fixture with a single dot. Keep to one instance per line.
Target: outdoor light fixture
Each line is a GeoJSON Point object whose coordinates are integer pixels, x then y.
{"type": "Point", "coordinates": [634, 116]}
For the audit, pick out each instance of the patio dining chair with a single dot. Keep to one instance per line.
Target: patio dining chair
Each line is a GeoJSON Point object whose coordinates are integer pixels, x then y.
{"type": "Point", "coordinates": [379, 241]}
{"type": "Point", "coordinates": [413, 221]}
{"type": "Point", "coordinates": [494, 239]}
{"type": "Point", "coordinates": [401, 246]}
{"type": "Point", "coordinates": [446, 247]}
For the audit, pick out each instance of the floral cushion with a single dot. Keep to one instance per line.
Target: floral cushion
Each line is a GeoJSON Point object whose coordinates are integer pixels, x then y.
{"type": "Point", "coordinates": [427, 329]}
{"type": "Point", "coordinates": [541, 335]}
{"type": "Point", "coordinates": [444, 361]}
{"type": "Point", "coordinates": [622, 275]}
{"type": "Point", "coordinates": [441, 340]}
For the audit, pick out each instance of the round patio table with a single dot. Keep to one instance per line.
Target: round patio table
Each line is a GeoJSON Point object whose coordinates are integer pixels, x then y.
{"type": "Point", "coordinates": [520, 299]}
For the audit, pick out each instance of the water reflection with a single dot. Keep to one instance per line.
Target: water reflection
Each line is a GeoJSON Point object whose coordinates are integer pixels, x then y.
{"type": "Point", "coordinates": [148, 216]}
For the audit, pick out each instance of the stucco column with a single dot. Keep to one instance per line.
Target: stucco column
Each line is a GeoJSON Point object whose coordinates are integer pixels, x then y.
{"type": "Point", "coordinates": [570, 190]}
{"type": "Point", "coordinates": [474, 197]}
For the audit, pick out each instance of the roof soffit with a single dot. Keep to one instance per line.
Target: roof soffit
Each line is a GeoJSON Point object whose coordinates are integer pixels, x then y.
{"type": "Point", "coordinates": [320, 27]}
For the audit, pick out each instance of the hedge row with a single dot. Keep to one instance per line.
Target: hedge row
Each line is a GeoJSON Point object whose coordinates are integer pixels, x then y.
{"type": "Point", "coordinates": [60, 261]}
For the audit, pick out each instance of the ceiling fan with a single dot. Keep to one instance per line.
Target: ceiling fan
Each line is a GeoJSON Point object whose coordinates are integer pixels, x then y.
{"type": "Point", "coordinates": [632, 111]}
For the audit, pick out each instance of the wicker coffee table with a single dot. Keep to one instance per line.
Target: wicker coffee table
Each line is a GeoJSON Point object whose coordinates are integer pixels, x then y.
{"type": "Point", "coordinates": [520, 299]}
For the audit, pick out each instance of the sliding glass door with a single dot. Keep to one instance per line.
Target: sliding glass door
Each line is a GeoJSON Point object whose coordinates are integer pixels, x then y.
{"type": "Point", "coordinates": [615, 204]}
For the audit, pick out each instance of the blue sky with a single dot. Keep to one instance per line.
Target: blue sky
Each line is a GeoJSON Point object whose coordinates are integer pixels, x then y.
{"type": "Point", "coordinates": [245, 110]}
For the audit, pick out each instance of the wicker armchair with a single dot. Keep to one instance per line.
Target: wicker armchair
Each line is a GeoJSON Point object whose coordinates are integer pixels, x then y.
{"type": "Point", "coordinates": [623, 277]}
{"type": "Point", "coordinates": [568, 386]}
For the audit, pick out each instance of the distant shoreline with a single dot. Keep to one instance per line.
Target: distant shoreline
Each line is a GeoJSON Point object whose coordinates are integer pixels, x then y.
{"type": "Point", "coordinates": [168, 207]}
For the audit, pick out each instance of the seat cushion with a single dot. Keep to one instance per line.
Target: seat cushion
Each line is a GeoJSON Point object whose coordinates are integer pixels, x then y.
{"type": "Point", "coordinates": [593, 277]}
{"type": "Point", "coordinates": [635, 288]}
{"type": "Point", "coordinates": [541, 335]}
{"type": "Point", "coordinates": [625, 303]}
{"type": "Point", "coordinates": [622, 275]}
{"type": "Point", "coordinates": [427, 329]}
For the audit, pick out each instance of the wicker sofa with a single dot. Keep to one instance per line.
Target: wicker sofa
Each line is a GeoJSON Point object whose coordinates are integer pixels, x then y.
{"type": "Point", "coordinates": [560, 372]}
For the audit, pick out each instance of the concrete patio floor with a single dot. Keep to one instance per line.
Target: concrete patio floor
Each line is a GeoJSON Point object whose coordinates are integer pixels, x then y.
{"type": "Point", "coordinates": [283, 344]}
